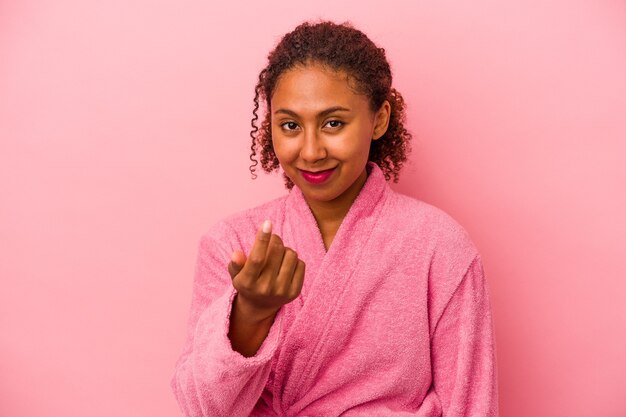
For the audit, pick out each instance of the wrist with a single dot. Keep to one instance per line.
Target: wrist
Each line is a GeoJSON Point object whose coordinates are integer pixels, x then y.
{"type": "Point", "coordinates": [249, 313]}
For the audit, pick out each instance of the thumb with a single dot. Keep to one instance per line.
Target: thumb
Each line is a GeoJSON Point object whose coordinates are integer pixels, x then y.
{"type": "Point", "coordinates": [237, 261]}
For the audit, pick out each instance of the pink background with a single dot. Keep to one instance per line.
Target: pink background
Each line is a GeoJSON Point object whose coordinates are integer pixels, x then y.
{"type": "Point", "coordinates": [124, 136]}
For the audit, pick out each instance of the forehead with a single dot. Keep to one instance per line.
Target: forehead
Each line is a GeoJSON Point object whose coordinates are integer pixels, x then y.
{"type": "Point", "coordinates": [314, 87]}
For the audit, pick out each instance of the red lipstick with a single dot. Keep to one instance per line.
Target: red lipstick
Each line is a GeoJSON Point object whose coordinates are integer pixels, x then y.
{"type": "Point", "coordinates": [317, 177]}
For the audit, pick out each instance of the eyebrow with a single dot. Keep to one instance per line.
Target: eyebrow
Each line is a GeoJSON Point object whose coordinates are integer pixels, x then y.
{"type": "Point", "coordinates": [320, 114]}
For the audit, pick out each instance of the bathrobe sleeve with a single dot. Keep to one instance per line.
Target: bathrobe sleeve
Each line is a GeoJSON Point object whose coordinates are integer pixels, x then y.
{"type": "Point", "coordinates": [463, 350]}
{"type": "Point", "coordinates": [210, 378]}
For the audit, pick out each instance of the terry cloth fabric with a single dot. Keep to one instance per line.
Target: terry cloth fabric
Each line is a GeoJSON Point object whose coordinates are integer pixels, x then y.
{"type": "Point", "coordinates": [394, 320]}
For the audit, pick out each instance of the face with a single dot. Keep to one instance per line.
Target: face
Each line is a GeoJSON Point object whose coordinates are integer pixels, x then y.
{"type": "Point", "coordinates": [322, 130]}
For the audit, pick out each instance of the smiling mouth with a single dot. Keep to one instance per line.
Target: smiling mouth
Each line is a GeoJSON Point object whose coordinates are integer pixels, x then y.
{"type": "Point", "coordinates": [317, 177]}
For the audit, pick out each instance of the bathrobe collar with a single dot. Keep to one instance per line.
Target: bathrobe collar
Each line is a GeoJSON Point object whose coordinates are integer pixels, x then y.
{"type": "Point", "coordinates": [327, 282]}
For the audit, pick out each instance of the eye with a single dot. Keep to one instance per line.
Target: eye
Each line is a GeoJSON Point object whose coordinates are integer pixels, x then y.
{"type": "Point", "coordinates": [334, 123]}
{"type": "Point", "coordinates": [289, 126]}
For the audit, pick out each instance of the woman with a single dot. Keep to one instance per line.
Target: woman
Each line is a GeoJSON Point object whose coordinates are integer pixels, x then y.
{"type": "Point", "coordinates": [343, 297]}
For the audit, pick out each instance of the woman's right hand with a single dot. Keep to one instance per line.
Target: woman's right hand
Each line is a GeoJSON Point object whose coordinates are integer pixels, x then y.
{"type": "Point", "coordinates": [270, 277]}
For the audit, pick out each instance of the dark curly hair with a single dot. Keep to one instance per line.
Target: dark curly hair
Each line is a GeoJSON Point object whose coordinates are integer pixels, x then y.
{"type": "Point", "coordinates": [340, 47]}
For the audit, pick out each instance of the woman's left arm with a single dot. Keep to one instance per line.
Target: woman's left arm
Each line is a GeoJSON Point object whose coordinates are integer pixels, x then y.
{"type": "Point", "coordinates": [463, 350]}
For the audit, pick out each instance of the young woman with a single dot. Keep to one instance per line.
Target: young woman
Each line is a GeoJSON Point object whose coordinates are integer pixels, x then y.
{"type": "Point", "coordinates": [342, 297]}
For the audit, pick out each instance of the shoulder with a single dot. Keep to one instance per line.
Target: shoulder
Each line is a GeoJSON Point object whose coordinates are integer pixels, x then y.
{"type": "Point", "coordinates": [434, 227]}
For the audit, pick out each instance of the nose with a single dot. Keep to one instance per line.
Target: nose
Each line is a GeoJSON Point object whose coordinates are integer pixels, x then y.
{"type": "Point", "coordinates": [313, 148]}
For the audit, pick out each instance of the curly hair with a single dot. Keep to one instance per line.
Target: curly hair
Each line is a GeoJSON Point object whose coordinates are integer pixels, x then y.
{"type": "Point", "coordinates": [340, 47]}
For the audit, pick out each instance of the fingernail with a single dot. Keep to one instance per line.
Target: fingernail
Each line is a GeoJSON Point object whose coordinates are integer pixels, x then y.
{"type": "Point", "coordinates": [267, 226]}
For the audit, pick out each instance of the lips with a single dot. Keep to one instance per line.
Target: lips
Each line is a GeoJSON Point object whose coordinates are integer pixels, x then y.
{"type": "Point", "coordinates": [317, 177]}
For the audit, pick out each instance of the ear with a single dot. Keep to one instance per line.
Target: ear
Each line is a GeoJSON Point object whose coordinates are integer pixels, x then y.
{"type": "Point", "coordinates": [381, 120]}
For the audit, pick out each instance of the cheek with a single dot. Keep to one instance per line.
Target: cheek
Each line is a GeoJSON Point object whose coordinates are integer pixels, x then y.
{"type": "Point", "coordinates": [356, 142]}
{"type": "Point", "coordinates": [283, 150]}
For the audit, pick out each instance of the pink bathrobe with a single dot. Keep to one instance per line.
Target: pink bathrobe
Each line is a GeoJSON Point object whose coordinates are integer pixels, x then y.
{"type": "Point", "coordinates": [394, 320]}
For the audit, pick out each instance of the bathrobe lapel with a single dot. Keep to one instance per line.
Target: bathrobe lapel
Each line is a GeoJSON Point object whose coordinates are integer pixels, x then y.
{"type": "Point", "coordinates": [319, 317]}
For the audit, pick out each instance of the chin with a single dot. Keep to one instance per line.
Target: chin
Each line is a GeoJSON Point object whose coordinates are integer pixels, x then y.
{"type": "Point", "coordinates": [321, 196]}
